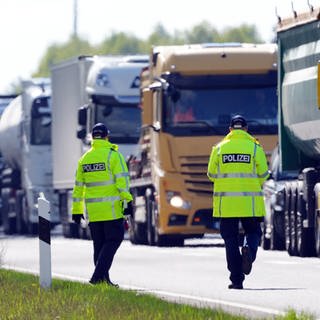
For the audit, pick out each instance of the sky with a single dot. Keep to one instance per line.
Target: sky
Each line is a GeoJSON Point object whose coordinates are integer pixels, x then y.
{"type": "Point", "coordinates": [29, 27]}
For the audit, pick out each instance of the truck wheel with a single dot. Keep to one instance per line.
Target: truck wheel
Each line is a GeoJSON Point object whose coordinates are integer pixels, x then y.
{"type": "Point", "coordinates": [293, 221]}
{"type": "Point", "coordinates": [137, 231]}
{"type": "Point", "coordinates": [317, 233]}
{"type": "Point", "coordinates": [265, 240]}
{"type": "Point", "coordinates": [32, 228]}
{"type": "Point", "coordinates": [19, 203]}
{"type": "Point", "coordinates": [277, 238]}
{"type": "Point", "coordinates": [303, 245]}
{"type": "Point", "coordinates": [150, 220]}
{"type": "Point", "coordinates": [155, 238]}
{"type": "Point", "coordinates": [74, 230]}
{"type": "Point", "coordinates": [287, 220]}
{"type": "Point", "coordinates": [7, 221]}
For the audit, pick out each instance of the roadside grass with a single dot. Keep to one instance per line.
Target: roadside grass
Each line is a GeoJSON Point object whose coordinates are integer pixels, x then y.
{"type": "Point", "coordinates": [21, 297]}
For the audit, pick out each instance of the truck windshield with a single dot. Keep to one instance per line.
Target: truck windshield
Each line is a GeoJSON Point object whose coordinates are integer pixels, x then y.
{"type": "Point", "coordinates": [123, 121]}
{"type": "Point", "coordinates": [41, 121]}
{"type": "Point", "coordinates": [204, 106]}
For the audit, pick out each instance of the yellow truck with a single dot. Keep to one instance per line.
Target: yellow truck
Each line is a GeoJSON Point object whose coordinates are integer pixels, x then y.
{"type": "Point", "coordinates": [188, 95]}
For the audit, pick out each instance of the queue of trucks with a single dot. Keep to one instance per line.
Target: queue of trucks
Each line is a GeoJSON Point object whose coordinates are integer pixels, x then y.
{"type": "Point", "coordinates": [41, 140]}
{"type": "Point", "coordinates": [166, 111]}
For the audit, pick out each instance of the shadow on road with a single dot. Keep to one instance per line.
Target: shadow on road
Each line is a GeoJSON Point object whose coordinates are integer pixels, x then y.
{"type": "Point", "coordinates": [273, 289]}
{"type": "Point", "coordinates": [218, 245]}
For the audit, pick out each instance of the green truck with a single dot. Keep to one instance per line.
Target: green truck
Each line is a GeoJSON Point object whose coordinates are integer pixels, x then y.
{"type": "Point", "coordinates": [293, 194]}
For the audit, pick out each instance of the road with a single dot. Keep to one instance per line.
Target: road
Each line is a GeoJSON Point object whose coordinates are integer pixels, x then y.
{"type": "Point", "coordinates": [195, 274]}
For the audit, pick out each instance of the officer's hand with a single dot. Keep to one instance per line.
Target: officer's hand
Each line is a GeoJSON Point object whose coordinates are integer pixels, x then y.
{"type": "Point", "coordinates": [128, 211]}
{"type": "Point", "coordinates": [77, 218]}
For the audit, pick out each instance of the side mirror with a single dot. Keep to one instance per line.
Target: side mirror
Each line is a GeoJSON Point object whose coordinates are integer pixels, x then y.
{"type": "Point", "coordinates": [81, 133]}
{"type": "Point", "coordinates": [82, 115]}
{"type": "Point", "coordinates": [174, 94]}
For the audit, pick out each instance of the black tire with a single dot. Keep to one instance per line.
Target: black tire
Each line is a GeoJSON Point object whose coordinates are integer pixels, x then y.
{"type": "Point", "coordinates": [265, 241]}
{"type": "Point", "coordinates": [162, 240]}
{"type": "Point", "coordinates": [19, 203]}
{"type": "Point", "coordinates": [9, 223]}
{"type": "Point", "coordinates": [137, 231]}
{"type": "Point", "coordinates": [74, 230]}
{"type": "Point", "coordinates": [293, 251]}
{"type": "Point", "coordinates": [277, 236]}
{"type": "Point", "coordinates": [32, 228]}
{"type": "Point", "coordinates": [150, 219]}
{"type": "Point", "coordinates": [85, 233]}
{"type": "Point", "coordinates": [287, 216]}
{"type": "Point", "coordinates": [303, 236]}
{"type": "Point", "coordinates": [317, 233]}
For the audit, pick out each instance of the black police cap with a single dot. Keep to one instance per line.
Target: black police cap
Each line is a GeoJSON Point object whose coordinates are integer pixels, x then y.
{"type": "Point", "coordinates": [238, 122]}
{"type": "Point", "coordinates": [99, 130]}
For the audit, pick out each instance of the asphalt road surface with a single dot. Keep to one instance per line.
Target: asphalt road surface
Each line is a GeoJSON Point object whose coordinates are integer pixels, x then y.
{"type": "Point", "coordinates": [195, 274]}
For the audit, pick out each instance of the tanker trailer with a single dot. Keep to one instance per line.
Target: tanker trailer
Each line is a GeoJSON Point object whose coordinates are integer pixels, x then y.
{"type": "Point", "coordinates": [293, 194]}
{"type": "Point", "coordinates": [25, 144]}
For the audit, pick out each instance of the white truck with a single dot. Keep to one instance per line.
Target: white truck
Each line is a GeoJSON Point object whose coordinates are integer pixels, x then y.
{"type": "Point", "coordinates": [5, 100]}
{"type": "Point", "coordinates": [25, 145]}
{"type": "Point", "coordinates": [87, 90]}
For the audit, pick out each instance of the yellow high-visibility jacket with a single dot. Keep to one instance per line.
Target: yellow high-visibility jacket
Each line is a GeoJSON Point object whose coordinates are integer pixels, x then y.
{"type": "Point", "coordinates": [238, 169]}
{"type": "Point", "coordinates": [102, 182]}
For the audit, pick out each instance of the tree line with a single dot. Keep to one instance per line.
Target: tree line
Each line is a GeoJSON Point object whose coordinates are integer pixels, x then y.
{"type": "Point", "coordinates": [124, 43]}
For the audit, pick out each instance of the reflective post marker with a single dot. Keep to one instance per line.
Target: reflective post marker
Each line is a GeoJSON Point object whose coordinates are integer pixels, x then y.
{"type": "Point", "coordinates": [44, 241]}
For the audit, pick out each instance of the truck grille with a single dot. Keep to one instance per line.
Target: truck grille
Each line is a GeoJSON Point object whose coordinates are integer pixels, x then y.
{"type": "Point", "coordinates": [194, 171]}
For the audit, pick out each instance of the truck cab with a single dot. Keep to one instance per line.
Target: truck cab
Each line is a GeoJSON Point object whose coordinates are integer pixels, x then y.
{"type": "Point", "coordinates": [87, 90]}
{"type": "Point", "coordinates": [113, 86]}
{"type": "Point", "coordinates": [189, 95]}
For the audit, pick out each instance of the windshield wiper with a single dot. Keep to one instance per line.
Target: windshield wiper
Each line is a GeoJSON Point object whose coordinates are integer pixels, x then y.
{"type": "Point", "coordinates": [258, 126]}
{"type": "Point", "coordinates": [198, 125]}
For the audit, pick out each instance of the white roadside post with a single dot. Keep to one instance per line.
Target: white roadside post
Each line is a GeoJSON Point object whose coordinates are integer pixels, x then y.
{"type": "Point", "coordinates": [44, 241]}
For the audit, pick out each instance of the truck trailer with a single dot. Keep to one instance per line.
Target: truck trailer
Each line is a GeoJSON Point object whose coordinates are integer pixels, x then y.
{"type": "Point", "coordinates": [25, 145]}
{"type": "Point", "coordinates": [293, 194]}
{"type": "Point", "coordinates": [87, 90]}
{"type": "Point", "coordinates": [189, 95]}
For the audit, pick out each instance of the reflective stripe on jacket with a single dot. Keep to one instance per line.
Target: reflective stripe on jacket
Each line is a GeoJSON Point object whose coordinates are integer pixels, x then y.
{"type": "Point", "coordinates": [102, 182]}
{"type": "Point", "coordinates": [238, 169]}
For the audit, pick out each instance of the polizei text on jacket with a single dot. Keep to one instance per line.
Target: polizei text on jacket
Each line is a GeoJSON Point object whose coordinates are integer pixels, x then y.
{"type": "Point", "coordinates": [236, 158]}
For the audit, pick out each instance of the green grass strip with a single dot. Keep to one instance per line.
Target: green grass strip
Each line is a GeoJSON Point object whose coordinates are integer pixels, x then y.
{"type": "Point", "coordinates": [21, 297]}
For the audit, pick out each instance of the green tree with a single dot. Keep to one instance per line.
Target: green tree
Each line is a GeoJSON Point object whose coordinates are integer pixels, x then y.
{"type": "Point", "coordinates": [243, 33]}
{"type": "Point", "coordinates": [123, 43]}
{"type": "Point", "coordinates": [60, 52]}
{"type": "Point", "coordinates": [159, 36]}
{"type": "Point", "coordinates": [201, 33]}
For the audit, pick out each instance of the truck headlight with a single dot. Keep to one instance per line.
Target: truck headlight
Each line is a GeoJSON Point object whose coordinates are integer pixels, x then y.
{"type": "Point", "coordinates": [102, 80]}
{"type": "Point", "coordinates": [175, 200]}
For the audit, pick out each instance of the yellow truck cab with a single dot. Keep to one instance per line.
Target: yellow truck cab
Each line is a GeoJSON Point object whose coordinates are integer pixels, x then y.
{"type": "Point", "coordinates": [188, 95]}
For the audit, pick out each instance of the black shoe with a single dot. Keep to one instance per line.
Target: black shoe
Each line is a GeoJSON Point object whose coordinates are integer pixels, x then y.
{"type": "Point", "coordinates": [246, 260]}
{"type": "Point", "coordinates": [93, 282]}
{"type": "Point", "coordinates": [235, 286]}
{"type": "Point", "coordinates": [110, 283]}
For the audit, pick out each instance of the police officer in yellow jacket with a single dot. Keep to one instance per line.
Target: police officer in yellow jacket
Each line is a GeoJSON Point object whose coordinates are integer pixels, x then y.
{"type": "Point", "coordinates": [102, 187]}
{"type": "Point", "coordinates": [238, 169]}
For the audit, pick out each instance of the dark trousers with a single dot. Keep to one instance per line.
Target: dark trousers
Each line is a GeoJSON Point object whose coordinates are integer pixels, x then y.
{"type": "Point", "coordinates": [107, 237]}
{"type": "Point", "coordinates": [229, 230]}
